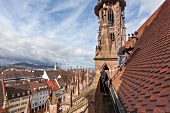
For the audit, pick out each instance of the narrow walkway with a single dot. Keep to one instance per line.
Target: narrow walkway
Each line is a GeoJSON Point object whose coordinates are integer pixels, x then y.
{"type": "Point", "coordinates": [105, 104]}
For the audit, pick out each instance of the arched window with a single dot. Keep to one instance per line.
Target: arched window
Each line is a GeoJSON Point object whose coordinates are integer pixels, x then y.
{"type": "Point", "coordinates": [110, 18]}
{"type": "Point", "coordinates": [112, 36]}
{"type": "Point", "coordinates": [102, 14]}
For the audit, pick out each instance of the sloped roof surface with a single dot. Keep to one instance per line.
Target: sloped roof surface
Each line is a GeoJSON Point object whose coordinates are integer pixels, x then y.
{"type": "Point", "coordinates": [15, 74]}
{"type": "Point", "coordinates": [144, 84]}
{"type": "Point", "coordinates": [15, 89]}
{"type": "Point", "coordinates": [65, 75]}
{"type": "Point", "coordinates": [37, 85]}
{"type": "Point", "coordinates": [53, 85]}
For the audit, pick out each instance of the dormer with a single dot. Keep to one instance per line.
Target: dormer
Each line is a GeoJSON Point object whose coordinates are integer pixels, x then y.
{"type": "Point", "coordinates": [40, 88]}
{"type": "Point", "coordinates": [23, 93]}
{"type": "Point", "coordinates": [28, 92]}
{"type": "Point", "coordinates": [12, 95]}
{"type": "Point", "coordinates": [18, 94]}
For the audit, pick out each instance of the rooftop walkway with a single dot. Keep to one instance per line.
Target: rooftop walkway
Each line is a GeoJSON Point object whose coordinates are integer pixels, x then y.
{"type": "Point", "coordinates": [106, 105]}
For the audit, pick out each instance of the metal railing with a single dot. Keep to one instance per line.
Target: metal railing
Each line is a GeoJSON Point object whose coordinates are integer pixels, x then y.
{"type": "Point", "coordinates": [91, 102]}
{"type": "Point", "coordinates": [118, 106]}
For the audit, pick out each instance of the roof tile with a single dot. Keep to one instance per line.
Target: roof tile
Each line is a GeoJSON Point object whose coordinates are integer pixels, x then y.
{"type": "Point", "coordinates": [144, 83]}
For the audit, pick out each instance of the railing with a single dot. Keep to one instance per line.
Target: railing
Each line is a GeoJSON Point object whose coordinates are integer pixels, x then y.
{"type": "Point", "coordinates": [83, 102]}
{"type": "Point", "coordinates": [76, 107]}
{"type": "Point", "coordinates": [81, 95]}
{"type": "Point", "coordinates": [118, 106]}
{"type": "Point", "coordinates": [91, 102]}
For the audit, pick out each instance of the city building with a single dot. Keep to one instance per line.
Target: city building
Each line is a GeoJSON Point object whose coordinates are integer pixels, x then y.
{"type": "Point", "coordinates": [17, 96]}
{"type": "Point", "coordinates": [40, 94]}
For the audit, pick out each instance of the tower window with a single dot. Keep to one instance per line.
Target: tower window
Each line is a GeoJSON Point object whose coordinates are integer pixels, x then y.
{"type": "Point", "coordinates": [110, 18]}
{"type": "Point", "coordinates": [112, 36]}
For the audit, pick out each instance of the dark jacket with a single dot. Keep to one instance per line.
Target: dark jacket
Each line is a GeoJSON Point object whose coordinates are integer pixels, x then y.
{"type": "Point", "coordinates": [104, 76]}
{"type": "Point", "coordinates": [122, 51]}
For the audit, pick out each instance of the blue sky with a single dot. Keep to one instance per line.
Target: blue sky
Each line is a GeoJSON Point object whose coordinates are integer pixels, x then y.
{"type": "Point", "coordinates": [50, 31]}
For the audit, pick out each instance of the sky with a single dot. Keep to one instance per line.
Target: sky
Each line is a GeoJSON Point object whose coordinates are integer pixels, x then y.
{"type": "Point", "coordinates": [62, 31]}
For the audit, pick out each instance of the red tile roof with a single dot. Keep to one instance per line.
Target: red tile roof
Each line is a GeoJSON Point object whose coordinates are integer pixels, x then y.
{"type": "Point", "coordinates": [1, 70]}
{"type": "Point", "coordinates": [144, 83]}
{"type": "Point", "coordinates": [65, 75]}
{"type": "Point", "coordinates": [56, 85]}
{"type": "Point", "coordinates": [52, 85]}
{"type": "Point", "coordinates": [15, 74]}
{"type": "Point", "coordinates": [61, 82]}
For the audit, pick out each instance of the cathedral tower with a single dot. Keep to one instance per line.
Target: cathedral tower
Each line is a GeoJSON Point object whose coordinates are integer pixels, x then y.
{"type": "Point", "coordinates": [111, 33]}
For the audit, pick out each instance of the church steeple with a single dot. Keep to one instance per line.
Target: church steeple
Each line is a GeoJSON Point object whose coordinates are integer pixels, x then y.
{"type": "Point", "coordinates": [111, 32]}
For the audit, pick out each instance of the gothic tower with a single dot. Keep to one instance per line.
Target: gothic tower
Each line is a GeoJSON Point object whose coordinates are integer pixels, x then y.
{"type": "Point", "coordinates": [111, 33]}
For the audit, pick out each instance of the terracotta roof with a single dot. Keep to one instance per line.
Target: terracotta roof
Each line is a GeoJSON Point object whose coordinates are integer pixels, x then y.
{"type": "Point", "coordinates": [15, 74]}
{"type": "Point", "coordinates": [1, 70]}
{"type": "Point", "coordinates": [16, 91]}
{"type": "Point", "coordinates": [16, 82]}
{"type": "Point", "coordinates": [56, 85]}
{"type": "Point", "coordinates": [144, 84]}
{"type": "Point", "coordinates": [52, 74]}
{"type": "Point", "coordinates": [61, 82]}
{"type": "Point", "coordinates": [66, 75]}
{"type": "Point", "coordinates": [38, 73]}
{"type": "Point", "coordinates": [36, 79]}
{"type": "Point", "coordinates": [52, 86]}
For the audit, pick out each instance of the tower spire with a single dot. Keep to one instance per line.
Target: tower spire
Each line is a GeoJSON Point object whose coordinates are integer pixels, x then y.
{"type": "Point", "coordinates": [111, 32]}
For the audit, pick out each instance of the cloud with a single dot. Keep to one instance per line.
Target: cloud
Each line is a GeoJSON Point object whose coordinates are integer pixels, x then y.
{"type": "Point", "coordinates": [137, 12]}
{"type": "Point", "coordinates": [50, 31]}
{"type": "Point", "coordinates": [46, 32]}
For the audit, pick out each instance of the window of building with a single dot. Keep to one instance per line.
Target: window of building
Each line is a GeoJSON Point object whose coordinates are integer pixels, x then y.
{"type": "Point", "coordinates": [23, 98]}
{"type": "Point", "coordinates": [110, 18]}
{"type": "Point", "coordinates": [112, 36]}
{"type": "Point", "coordinates": [12, 95]}
{"type": "Point", "coordinates": [23, 93]}
{"type": "Point", "coordinates": [18, 94]}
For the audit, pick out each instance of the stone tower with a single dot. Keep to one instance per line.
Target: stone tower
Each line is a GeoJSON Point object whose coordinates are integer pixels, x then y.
{"type": "Point", "coordinates": [111, 33]}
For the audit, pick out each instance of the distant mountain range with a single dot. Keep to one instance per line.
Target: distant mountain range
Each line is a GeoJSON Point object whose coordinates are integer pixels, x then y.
{"type": "Point", "coordinates": [29, 65]}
